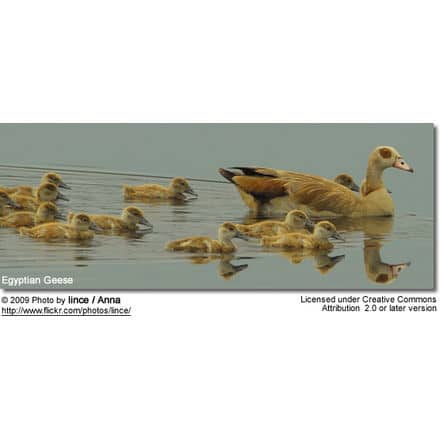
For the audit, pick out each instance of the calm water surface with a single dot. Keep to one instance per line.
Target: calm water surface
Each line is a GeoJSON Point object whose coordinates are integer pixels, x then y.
{"type": "Point", "coordinates": [140, 262]}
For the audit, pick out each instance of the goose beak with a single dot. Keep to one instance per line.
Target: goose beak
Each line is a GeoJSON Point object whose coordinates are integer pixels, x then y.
{"type": "Point", "coordinates": [310, 225]}
{"type": "Point", "coordinates": [60, 216]}
{"type": "Point", "coordinates": [397, 268]}
{"type": "Point", "coordinates": [13, 204]}
{"type": "Point", "coordinates": [338, 236]}
{"type": "Point", "coordinates": [144, 221]}
{"type": "Point", "coordinates": [242, 236]}
{"type": "Point", "coordinates": [64, 185]}
{"type": "Point", "coordinates": [337, 259]}
{"type": "Point", "coordinates": [94, 227]}
{"type": "Point", "coordinates": [191, 191]}
{"type": "Point", "coordinates": [62, 197]}
{"type": "Point", "coordinates": [355, 187]}
{"type": "Point", "coordinates": [402, 165]}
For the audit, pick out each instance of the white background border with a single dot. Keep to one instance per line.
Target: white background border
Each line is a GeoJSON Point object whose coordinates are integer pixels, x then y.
{"type": "Point", "coordinates": [220, 366]}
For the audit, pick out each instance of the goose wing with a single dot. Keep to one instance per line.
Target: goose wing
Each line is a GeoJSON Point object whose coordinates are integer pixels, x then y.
{"type": "Point", "coordinates": [320, 194]}
{"type": "Point", "coordinates": [262, 187]}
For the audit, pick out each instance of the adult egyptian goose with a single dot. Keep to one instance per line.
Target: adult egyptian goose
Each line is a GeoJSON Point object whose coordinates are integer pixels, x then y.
{"type": "Point", "coordinates": [270, 191]}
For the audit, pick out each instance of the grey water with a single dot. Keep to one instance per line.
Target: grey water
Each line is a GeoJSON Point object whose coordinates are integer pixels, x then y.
{"type": "Point", "coordinates": [96, 159]}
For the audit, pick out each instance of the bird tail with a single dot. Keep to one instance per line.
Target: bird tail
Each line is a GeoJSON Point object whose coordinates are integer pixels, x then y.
{"type": "Point", "coordinates": [228, 175]}
{"type": "Point", "coordinates": [127, 191]}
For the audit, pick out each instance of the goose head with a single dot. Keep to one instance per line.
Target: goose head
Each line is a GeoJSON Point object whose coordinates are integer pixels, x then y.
{"type": "Point", "coordinates": [48, 192]}
{"type": "Point", "coordinates": [299, 219]}
{"type": "Point", "coordinates": [387, 157]}
{"type": "Point", "coordinates": [347, 181]}
{"type": "Point", "coordinates": [5, 200]}
{"type": "Point", "coordinates": [325, 230]}
{"type": "Point", "coordinates": [82, 222]}
{"type": "Point", "coordinates": [48, 211]}
{"type": "Point", "coordinates": [181, 186]}
{"type": "Point", "coordinates": [133, 216]}
{"type": "Point", "coordinates": [227, 231]}
{"type": "Point", "coordinates": [55, 179]}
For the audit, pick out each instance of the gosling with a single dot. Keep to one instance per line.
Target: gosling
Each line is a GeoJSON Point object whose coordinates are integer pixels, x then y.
{"type": "Point", "coordinates": [26, 190]}
{"type": "Point", "coordinates": [80, 228]}
{"type": "Point", "coordinates": [347, 181]}
{"type": "Point", "coordinates": [295, 221]}
{"type": "Point", "coordinates": [295, 240]}
{"type": "Point", "coordinates": [47, 192]}
{"type": "Point", "coordinates": [127, 222]}
{"type": "Point", "coordinates": [226, 232]}
{"type": "Point", "coordinates": [6, 203]}
{"type": "Point", "coordinates": [177, 189]}
{"type": "Point", "coordinates": [47, 212]}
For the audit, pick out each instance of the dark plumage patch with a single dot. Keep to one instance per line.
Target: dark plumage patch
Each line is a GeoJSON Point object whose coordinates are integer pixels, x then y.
{"type": "Point", "coordinates": [385, 153]}
{"type": "Point", "coordinates": [228, 175]}
{"type": "Point", "coordinates": [382, 278]}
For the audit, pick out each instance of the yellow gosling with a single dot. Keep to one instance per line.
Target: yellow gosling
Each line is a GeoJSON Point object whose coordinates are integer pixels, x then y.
{"type": "Point", "coordinates": [46, 212]}
{"type": "Point", "coordinates": [226, 232]}
{"type": "Point", "coordinates": [78, 229]}
{"type": "Point", "coordinates": [27, 190]}
{"type": "Point", "coordinates": [347, 181]}
{"type": "Point", "coordinates": [47, 192]}
{"type": "Point", "coordinates": [6, 203]}
{"type": "Point", "coordinates": [296, 240]}
{"type": "Point", "coordinates": [127, 222]}
{"type": "Point", "coordinates": [177, 189]}
{"type": "Point", "coordinates": [295, 221]}
{"type": "Point", "coordinates": [269, 191]}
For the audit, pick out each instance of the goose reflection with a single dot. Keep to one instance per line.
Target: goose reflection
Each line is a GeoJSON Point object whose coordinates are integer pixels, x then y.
{"type": "Point", "coordinates": [378, 271]}
{"type": "Point", "coordinates": [323, 262]}
{"type": "Point", "coordinates": [225, 268]}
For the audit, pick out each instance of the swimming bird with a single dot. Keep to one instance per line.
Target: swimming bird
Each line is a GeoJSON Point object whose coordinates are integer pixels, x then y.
{"type": "Point", "coordinates": [295, 221]}
{"type": "Point", "coordinates": [46, 192]}
{"type": "Point", "coordinates": [5, 203]}
{"type": "Point", "coordinates": [27, 190]}
{"type": "Point", "coordinates": [296, 240]}
{"type": "Point", "coordinates": [346, 180]}
{"type": "Point", "coordinates": [269, 191]}
{"type": "Point", "coordinates": [128, 221]}
{"type": "Point", "coordinates": [226, 232]}
{"type": "Point", "coordinates": [80, 228]}
{"type": "Point", "coordinates": [177, 189]}
{"type": "Point", "coordinates": [46, 212]}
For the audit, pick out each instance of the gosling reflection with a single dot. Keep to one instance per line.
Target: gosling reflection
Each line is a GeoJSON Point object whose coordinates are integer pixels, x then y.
{"type": "Point", "coordinates": [225, 268]}
{"type": "Point", "coordinates": [378, 271]}
{"type": "Point", "coordinates": [322, 262]}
